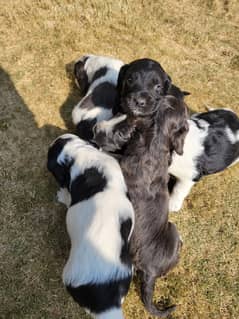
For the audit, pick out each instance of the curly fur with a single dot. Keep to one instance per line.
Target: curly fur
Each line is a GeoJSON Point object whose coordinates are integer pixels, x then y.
{"type": "Point", "coordinates": [150, 133]}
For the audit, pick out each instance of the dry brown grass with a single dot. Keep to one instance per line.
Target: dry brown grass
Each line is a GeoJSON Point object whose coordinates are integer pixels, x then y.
{"type": "Point", "coordinates": [197, 43]}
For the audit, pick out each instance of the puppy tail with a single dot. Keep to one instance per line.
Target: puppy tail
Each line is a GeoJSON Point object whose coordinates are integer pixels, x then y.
{"type": "Point", "coordinates": [147, 289]}
{"type": "Point", "coordinates": [209, 108]}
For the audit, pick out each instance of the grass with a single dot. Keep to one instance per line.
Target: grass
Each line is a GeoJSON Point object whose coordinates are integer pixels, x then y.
{"type": "Point", "coordinates": [197, 43]}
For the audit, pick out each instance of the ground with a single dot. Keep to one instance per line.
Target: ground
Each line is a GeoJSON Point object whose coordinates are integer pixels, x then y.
{"type": "Point", "coordinates": [197, 43]}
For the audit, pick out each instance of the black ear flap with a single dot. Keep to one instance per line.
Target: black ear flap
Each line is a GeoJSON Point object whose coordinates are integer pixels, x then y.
{"type": "Point", "coordinates": [121, 76]}
{"type": "Point", "coordinates": [177, 138]}
{"type": "Point", "coordinates": [62, 175]}
{"type": "Point", "coordinates": [167, 84]}
{"type": "Point", "coordinates": [59, 171]}
{"type": "Point", "coordinates": [81, 76]}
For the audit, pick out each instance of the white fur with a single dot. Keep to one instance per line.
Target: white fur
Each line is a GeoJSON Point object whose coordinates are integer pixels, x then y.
{"type": "Point", "coordinates": [107, 126]}
{"type": "Point", "coordinates": [93, 64]}
{"type": "Point", "coordinates": [114, 313]}
{"type": "Point", "coordinates": [64, 197]}
{"type": "Point", "coordinates": [233, 138]}
{"type": "Point", "coordinates": [97, 112]}
{"type": "Point", "coordinates": [94, 224]}
{"type": "Point", "coordinates": [183, 167]}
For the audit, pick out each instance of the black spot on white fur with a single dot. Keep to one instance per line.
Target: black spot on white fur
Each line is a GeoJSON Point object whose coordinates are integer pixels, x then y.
{"type": "Point", "coordinates": [99, 73]}
{"type": "Point", "coordinates": [100, 297]}
{"type": "Point", "coordinates": [105, 95]}
{"type": "Point", "coordinates": [85, 129]}
{"type": "Point", "coordinates": [87, 185]}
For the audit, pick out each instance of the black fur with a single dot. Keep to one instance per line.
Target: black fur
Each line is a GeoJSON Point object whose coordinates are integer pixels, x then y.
{"type": "Point", "coordinates": [150, 133]}
{"type": "Point", "coordinates": [87, 185]}
{"type": "Point", "coordinates": [60, 172]}
{"type": "Point", "coordinates": [219, 152]}
{"type": "Point", "coordinates": [100, 297]}
{"type": "Point", "coordinates": [125, 229]}
{"type": "Point", "coordinates": [81, 75]}
{"type": "Point", "coordinates": [84, 129]}
{"type": "Point", "coordinates": [142, 90]}
{"type": "Point", "coordinates": [99, 73]}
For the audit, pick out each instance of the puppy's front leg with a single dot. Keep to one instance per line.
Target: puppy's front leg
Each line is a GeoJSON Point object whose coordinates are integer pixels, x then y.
{"type": "Point", "coordinates": [180, 191]}
{"type": "Point", "coordinates": [63, 196]}
{"type": "Point", "coordinates": [112, 135]}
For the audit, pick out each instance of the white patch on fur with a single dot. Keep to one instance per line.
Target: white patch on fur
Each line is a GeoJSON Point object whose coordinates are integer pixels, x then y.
{"type": "Point", "coordinates": [94, 224]}
{"type": "Point", "coordinates": [94, 229]}
{"type": "Point", "coordinates": [184, 166]}
{"type": "Point", "coordinates": [107, 126]}
{"type": "Point", "coordinates": [64, 197]}
{"type": "Point", "coordinates": [100, 113]}
{"type": "Point", "coordinates": [96, 62]}
{"type": "Point", "coordinates": [233, 137]}
{"type": "Point", "coordinates": [115, 313]}
{"type": "Point", "coordinates": [180, 191]}
{"type": "Point", "coordinates": [235, 162]}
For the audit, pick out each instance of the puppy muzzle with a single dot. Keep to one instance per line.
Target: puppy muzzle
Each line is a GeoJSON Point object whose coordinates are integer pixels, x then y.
{"type": "Point", "coordinates": [140, 103]}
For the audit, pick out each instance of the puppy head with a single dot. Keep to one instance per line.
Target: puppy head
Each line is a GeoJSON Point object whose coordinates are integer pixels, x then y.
{"type": "Point", "coordinates": [172, 118]}
{"type": "Point", "coordinates": [141, 84]}
{"type": "Point", "coordinates": [90, 68]}
{"type": "Point", "coordinates": [81, 77]}
{"type": "Point", "coordinates": [60, 157]}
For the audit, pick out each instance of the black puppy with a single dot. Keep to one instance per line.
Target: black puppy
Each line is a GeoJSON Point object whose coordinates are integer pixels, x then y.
{"type": "Point", "coordinates": [96, 76]}
{"type": "Point", "coordinates": [153, 126]}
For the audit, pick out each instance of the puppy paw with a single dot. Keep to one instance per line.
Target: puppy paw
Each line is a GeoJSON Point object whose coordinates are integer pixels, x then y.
{"type": "Point", "coordinates": [175, 204]}
{"type": "Point", "coordinates": [64, 197]}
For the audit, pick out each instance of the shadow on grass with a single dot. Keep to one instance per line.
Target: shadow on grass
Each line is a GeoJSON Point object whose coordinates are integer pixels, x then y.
{"type": "Point", "coordinates": [34, 235]}
{"type": "Point", "coordinates": [73, 98]}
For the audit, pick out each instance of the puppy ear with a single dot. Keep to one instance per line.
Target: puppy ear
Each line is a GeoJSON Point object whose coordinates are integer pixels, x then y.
{"type": "Point", "coordinates": [81, 76]}
{"type": "Point", "coordinates": [60, 172]}
{"type": "Point", "coordinates": [177, 136]}
{"type": "Point", "coordinates": [167, 84]}
{"type": "Point", "coordinates": [121, 76]}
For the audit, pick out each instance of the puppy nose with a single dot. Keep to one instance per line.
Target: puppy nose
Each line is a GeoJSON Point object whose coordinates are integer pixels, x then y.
{"type": "Point", "coordinates": [140, 101]}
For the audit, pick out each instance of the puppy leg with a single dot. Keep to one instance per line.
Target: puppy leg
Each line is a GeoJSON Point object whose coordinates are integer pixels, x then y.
{"type": "Point", "coordinates": [180, 191]}
{"type": "Point", "coordinates": [112, 135]}
{"type": "Point", "coordinates": [63, 196]}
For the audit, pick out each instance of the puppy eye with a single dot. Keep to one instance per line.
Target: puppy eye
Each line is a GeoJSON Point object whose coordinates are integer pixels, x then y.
{"type": "Point", "coordinates": [157, 87]}
{"type": "Point", "coordinates": [129, 80]}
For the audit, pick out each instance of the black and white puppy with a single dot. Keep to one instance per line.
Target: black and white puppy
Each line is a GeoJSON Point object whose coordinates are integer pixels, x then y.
{"type": "Point", "coordinates": [97, 78]}
{"type": "Point", "coordinates": [100, 220]}
{"type": "Point", "coordinates": [211, 145]}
